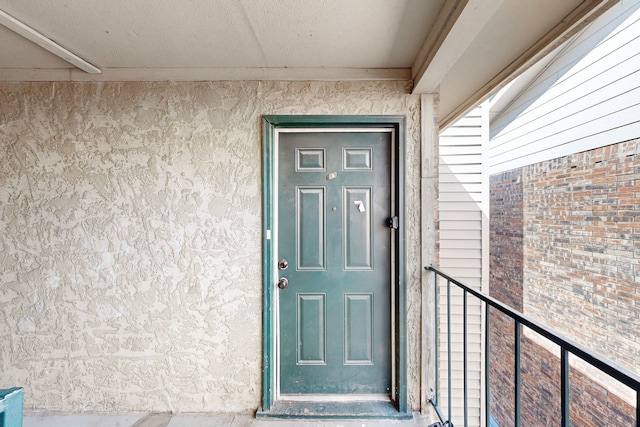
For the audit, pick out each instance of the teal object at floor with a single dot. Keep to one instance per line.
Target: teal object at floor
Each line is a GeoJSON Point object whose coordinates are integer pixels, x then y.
{"type": "Point", "coordinates": [11, 403]}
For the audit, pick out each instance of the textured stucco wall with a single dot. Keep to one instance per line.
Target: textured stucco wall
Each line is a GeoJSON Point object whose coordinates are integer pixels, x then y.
{"type": "Point", "coordinates": [130, 238]}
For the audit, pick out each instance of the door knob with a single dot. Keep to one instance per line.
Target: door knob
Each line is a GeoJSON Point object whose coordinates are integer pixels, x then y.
{"type": "Point", "coordinates": [283, 283]}
{"type": "Point", "coordinates": [283, 264]}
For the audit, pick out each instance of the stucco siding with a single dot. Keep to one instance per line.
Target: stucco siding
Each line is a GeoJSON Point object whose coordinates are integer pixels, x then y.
{"type": "Point", "coordinates": [130, 238]}
{"type": "Point", "coordinates": [589, 95]}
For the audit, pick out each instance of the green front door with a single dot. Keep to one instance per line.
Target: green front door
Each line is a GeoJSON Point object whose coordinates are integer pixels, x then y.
{"type": "Point", "coordinates": [334, 202]}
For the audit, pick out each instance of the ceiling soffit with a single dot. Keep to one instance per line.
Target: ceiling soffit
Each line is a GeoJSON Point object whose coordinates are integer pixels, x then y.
{"type": "Point", "coordinates": [462, 49]}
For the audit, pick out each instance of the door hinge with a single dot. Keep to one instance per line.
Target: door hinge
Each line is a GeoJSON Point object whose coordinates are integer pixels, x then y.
{"type": "Point", "coordinates": [392, 222]}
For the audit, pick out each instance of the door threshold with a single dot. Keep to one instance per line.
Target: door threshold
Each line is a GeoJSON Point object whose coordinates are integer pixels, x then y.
{"type": "Point", "coordinates": [335, 397]}
{"type": "Point", "coordinates": [364, 409]}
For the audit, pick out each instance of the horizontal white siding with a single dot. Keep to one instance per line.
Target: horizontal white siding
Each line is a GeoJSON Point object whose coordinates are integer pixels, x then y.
{"type": "Point", "coordinates": [463, 191]}
{"type": "Point", "coordinates": [588, 97]}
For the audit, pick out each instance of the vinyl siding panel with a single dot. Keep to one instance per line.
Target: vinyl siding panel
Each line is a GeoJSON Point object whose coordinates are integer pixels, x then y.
{"type": "Point", "coordinates": [461, 225]}
{"type": "Point", "coordinates": [457, 206]}
{"type": "Point", "coordinates": [589, 96]}
{"type": "Point", "coordinates": [463, 194]}
{"type": "Point", "coordinates": [460, 244]}
{"type": "Point", "coordinates": [451, 177]}
{"type": "Point", "coordinates": [460, 253]}
{"type": "Point", "coordinates": [452, 263]}
{"type": "Point", "coordinates": [463, 216]}
{"type": "Point", "coordinates": [599, 48]}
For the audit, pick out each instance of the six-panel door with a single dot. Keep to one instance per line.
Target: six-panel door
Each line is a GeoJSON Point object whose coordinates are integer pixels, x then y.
{"type": "Point", "coordinates": [334, 200]}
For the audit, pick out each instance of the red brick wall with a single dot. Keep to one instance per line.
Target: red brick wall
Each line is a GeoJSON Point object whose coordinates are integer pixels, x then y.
{"type": "Point", "coordinates": [565, 247]}
{"type": "Point", "coordinates": [591, 405]}
{"type": "Point", "coordinates": [582, 248]}
{"type": "Point", "coordinates": [506, 285]}
{"type": "Point", "coordinates": [506, 236]}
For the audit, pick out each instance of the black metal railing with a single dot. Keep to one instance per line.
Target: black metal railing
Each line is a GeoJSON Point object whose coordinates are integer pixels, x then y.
{"type": "Point", "coordinates": [566, 345]}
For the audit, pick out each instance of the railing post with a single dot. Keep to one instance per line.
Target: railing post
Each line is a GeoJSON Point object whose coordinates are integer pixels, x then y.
{"type": "Point", "coordinates": [564, 387]}
{"type": "Point", "coordinates": [465, 359]}
{"type": "Point", "coordinates": [637, 408]}
{"type": "Point", "coordinates": [518, 377]}
{"type": "Point", "coordinates": [487, 365]}
{"type": "Point", "coordinates": [437, 341]}
{"type": "Point", "coordinates": [449, 349]}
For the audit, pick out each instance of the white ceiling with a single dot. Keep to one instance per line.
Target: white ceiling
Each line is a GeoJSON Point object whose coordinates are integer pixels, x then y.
{"type": "Point", "coordinates": [454, 47]}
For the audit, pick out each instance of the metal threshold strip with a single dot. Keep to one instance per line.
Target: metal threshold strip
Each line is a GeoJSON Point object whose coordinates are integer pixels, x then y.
{"type": "Point", "coordinates": [360, 409]}
{"type": "Point", "coordinates": [335, 397]}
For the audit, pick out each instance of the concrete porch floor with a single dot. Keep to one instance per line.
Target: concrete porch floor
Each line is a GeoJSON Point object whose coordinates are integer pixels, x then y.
{"type": "Point", "coordinates": [55, 419]}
